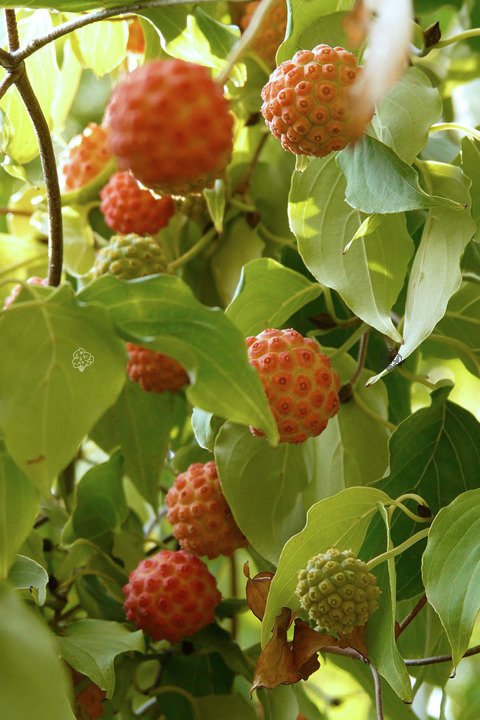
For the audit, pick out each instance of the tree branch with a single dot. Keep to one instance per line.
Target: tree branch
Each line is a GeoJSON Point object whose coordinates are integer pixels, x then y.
{"type": "Point", "coordinates": [378, 691]}
{"type": "Point", "coordinates": [362, 354]}
{"type": "Point", "coordinates": [355, 655]}
{"type": "Point", "coordinates": [12, 30]}
{"type": "Point", "coordinates": [415, 662]}
{"type": "Point", "coordinates": [411, 615]}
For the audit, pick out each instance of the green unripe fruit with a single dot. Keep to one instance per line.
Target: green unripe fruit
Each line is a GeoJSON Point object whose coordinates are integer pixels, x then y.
{"type": "Point", "coordinates": [194, 206]}
{"type": "Point", "coordinates": [337, 591]}
{"type": "Point", "coordinates": [130, 256]}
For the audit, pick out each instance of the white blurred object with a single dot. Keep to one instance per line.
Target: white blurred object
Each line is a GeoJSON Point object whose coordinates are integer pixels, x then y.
{"type": "Point", "coordinates": [389, 27]}
{"type": "Point", "coordinates": [466, 103]}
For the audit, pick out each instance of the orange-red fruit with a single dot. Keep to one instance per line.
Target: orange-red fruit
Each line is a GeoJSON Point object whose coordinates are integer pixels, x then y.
{"type": "Point", "coordinates": [17, 288]}
{"type": "Point", "coordinates": [301, 386]}
{"type": "Point", "coordinates": [136, 37]}
{"type": "Point", "coordinates": [128, 208]}
{"type": "Point", "coordinates": [272, 32]}
{"type": "Point", "coordinates": [306, 102]}
{"type": "Point", "coordinates": [87, 156]}
{"type": "Point", "coordinates": [89, 701]}
{"type": "Point", "coordinates": [202, 521]}
{"type": "Point", "coordinates": [171, 595]}
{"type": "Point", "coordinates": [170, 125]}
{"type": "Point", "coordinates": [153, 371]}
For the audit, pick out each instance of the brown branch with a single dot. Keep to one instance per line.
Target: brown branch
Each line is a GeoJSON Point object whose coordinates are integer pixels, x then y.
{"type": "Point", "coordinates": [355, 655]}
{"type": "Point", "coordinates": [362, 354]}
{"type": "Point", "coordinates": [87, 19]}
{"type": "Point", "coordinates": [411, 615]}
{"type": "Point", "coordinates": [415, 662]}
{"type": "Point", "coordinates": [12, 30]}
{"type": "Point", "coordinates": [378, 691]}
{"type": "Point", "coordinates": [7, 82]}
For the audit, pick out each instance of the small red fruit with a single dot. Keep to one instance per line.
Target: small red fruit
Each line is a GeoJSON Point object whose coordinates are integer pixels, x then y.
{"type": "Point", "coordinates": [306, 101]}
{"type": "Point", "coordinates": [301, 386]}
{"type": "Point", "coordinates": [88, 154]}
{"type": "Point", "coordinates": [169, 124]}
{"type": "Point", "coordinates": [89, 700]}
{"type": "Point", "coordinates": [128, 208]}
{"type": "Point", "coordinates": [17, 289]}
{"type": "Point", "coordinates": [272, 32]}
{"type": "Point", "coordinates": [202, 520]}
{"type": "Point", "coordinates": [154, 371]}
{"type": "Point", "coordinates": [171, 595]}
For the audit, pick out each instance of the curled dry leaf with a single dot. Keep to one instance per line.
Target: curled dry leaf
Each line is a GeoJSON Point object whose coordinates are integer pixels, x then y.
{"type": "Point", "coordinates": [284, 662]}
{"type": "Point", "coordinates": [389, 25]}
{"type": "Point", "coordinates": [257, 590]}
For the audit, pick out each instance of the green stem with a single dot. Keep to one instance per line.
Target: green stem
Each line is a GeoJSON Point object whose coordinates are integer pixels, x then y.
{"type": "Point", "coordinates": [362, 354]}
{"type": "Point", "coordinates": [241, 205]}
{"type": "Point", "coordinates": [408, 512]}
{"type": "Point", "coordinates": [350, 341]}
{"type": "Point", "coordinates": [398, 550]}
{"type": "Point", "coordinates": [465, 35]}
{"type": "Point", "coordinates": [278, 239]}
{"type": "Point", "coordinates": [371, 413]}
{"type": "Point", "coordinates": [193, 251]}
{"type": "Point", "coordinates": [441, 127]}
{"type": "Point", "coordinates": [415, 378]}
{"type": "Point", "coordinates": [178, 691]}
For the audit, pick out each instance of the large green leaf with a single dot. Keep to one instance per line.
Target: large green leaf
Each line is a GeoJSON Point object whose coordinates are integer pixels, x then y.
{"type": "Point", "coordinates": [470, 164]}
{"type": "Point", "coordinates": [267, 295]}
{"type": "Point", "coordinates": [19, 502]}
{"type": "Point", "coordinates": [451, 569]}
{"type": "Point", "coordinates": [91, 646]}
{"type": "Point", "coordinates": [27, 574]}
{"type": "Point", "coordinates": [370, 275]}
{"type": "Point", "coordinates": [262, 486]}
{"type": "Point", "coordinates": [33, 683]}
{"type": "Point", "coordinates": [48, 403]}
{"type": "Point", "coordinates": [240, 245]}
{"type": "Point", "coordinates": [380, 629]}
{"type": "Point", "coordinates": [436, 454]}
{"type": "Point", "coordinates": [403, 117]}
{"type": "Point", "coordinates": [339, 521]}
{"type": "Point", "coordinates": [101, 46]}
{"type": "Point", "coordinates": [378, 181]}
{"type": "Point", "coordinates": [140, 422]}
{"type": "Point", "coordinates": [163, 311]}
{"type": "Point", "coordinates": [100, 504]}
{"type": "Point", "coordinates": [311, 24]}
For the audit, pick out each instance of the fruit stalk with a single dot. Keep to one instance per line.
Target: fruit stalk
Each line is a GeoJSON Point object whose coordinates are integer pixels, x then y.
{"type": "Point", "coordinates": [398, 549]}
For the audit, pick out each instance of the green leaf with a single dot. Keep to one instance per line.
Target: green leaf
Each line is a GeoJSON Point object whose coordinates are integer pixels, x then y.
{"type": "Point", "coordinates": [368, 226]}
{"type": "Point", "coordinates": [458, 332]}
{"type": "Point", "coordinates": [451, 569]}
{"type": "Point", "coordinates": [470, 164]}
{"type": "Point", "coordinates": [44, 75]}
{"type": "Point", "coordinates": [279, 703]}
{"type": "Point", "coordinates": [342, 454]}
{"type": "Point", "coordinates": [47, 410]}
{"type": "Point", "coordinates": [215, 199]}
{"type": "Point", "coordinates": [78, 238]}
{"type": "Point", "coordinates": [26, 644]}
{"type": "Point", "coordinates": [205, 427]}
{"type": "Point", "coordinates": [380, 629]}
{"type": "Point", "coordinates": [163, 311]}
{"type": "Point", "coordinates": [262, 486]}
{"type": "Point", "coordinates": [100, 505]}
{"type": "Point", "coordinates": [27, 574]}
{"type": "Point", "coordinates": [70, 74]}
{"type": "Point", "coordinates": [91, 646]}
{"type": "Point", "coordinates": [267, 295]}
{"type": "Point", "coordinates": [101, 46]}
{"type": "Point", "coordinates": [370, 276]}
{"type": "Point", "coordinates": [219, 707]}
{"type": "Point", "coordinates": [18, 508]}
{"type": "Point", "coordinates": [314, 23]}
{"type": "Point", "coordinates": [339, 521]}
{"type": "Point", "coordinates": [86, 558]}
{"type": "Point", "coordinates": [370, 167]}
{"type": "Point", "coordinates": [436, 454]}
{"type": "Point", "coordinates": [140, 422]}
{"type": "Point", "coordinates": [402, 119]}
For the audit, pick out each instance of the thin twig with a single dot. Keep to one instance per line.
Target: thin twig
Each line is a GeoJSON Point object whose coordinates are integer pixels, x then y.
{"type": "Point", "coordinates": [49, 167]}
{"type": "Point", "coordinates": [378, 691]}
{"type": "Point", "coordinates": [80, 22]}
{"type": "Point", "coordinates": [12, 30]}
{"type": "Point", "coordinates": [411, 615]}
{"type": "Point", "coordinates": [234, 592]}
{"type": "Point", "coordinates": [7, 82]}
{"type": "Point", "coordinates": [415, 662]}
{"type": "Point", "coordinates": [193, 251]}
{"type": "Point", "coordinates": [362, 354]}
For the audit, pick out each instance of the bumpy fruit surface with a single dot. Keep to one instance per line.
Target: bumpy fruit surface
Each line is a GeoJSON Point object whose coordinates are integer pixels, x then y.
{"type": "Point", "coordinates": [89, 700]}
{"type": "Point", "coordinates": [128, 208]}
{"type": "Point", "coordinates": [88, 154]}
{"type": "Point", "coordinates": [301, 386]}
{"type": "Point", "coordinates": [130, 256]}
{"type": "Point", "coordinates": [153, 371]}
{"type": "Point", "coordinates": [17, 289]}
{"type": "Point", "coordinates": [202, 521]}
{"type": "Point", "coordinates": [136, 37]}
{"type": "Point", "coordinates": [337, 591]}
{"type": "Point", "coordinates": [272, 32]}
{"type": "Point", "coordinates": [194, 206]}
{"type": "Point", "coordinates": [306, 103]}
{"type": "Point", "coordinates": [171, 595]}
{"type": "Point", "coordinates": [170, 125]}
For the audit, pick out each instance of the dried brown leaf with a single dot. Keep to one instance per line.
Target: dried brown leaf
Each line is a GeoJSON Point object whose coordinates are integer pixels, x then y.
{"type": "Point", "coordinates": [257, 591]}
